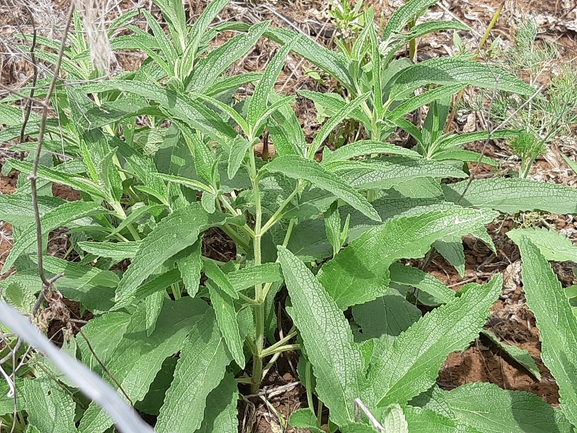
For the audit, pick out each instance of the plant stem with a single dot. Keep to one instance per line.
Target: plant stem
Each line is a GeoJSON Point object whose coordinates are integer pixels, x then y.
{"type": "Point", "coordinates": [257, 369]}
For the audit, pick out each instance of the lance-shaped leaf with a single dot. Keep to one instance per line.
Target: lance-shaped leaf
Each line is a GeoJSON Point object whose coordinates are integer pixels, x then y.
{"type": "Point", "coordinates": [220, 414]}
{"type": "Point", "coordinates": [383, 173]}
{"type": "Point", "coordinates": [145, 352]}
{"type": "Point", "coordinates": [452, 70]}
{"type": "Point", "coordinates": [552, 245]}
{"type": "Point", "coordinates": [556, 322]}
{"type": "Point", "coordinates": [411, 365]}
{"type": "Point", "coordinates": [296, 167]}
{"type": "Point", "coordinates": [199, 370]}
{"type": "Point", "coordinates": [226, 318]}
{"type": "Point", "coordinates": [486, 407]}
{"type": "Point", "coordinates": [51, 220]}
{"type": "Point", "coordinates": [360, 272]}
{"type": "Point", "coordinates": [512, 195]}
{"type": "Point", "coordinates": [337, 362]}
{"type": "Point", "coordinates": [174, 105]}
{"type": "Point", "coordinates": [173, 234]}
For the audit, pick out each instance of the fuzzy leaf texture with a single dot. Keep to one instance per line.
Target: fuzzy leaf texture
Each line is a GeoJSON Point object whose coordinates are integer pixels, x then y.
{"type": "Point", "coordinates": [514, 195]}
{"type": "Point", "coordinates": [51, 220]}
{"type": "Point", "coordinates": [556, 323]}
{"type": "Point", "coordinates": [296, 167]}
{"type": "Point", "coordinates": [490, 409]}
{"type": "Point", "coordinates": [411, 365]}
{"type": "Point", "coordinates": [337, 363]}
{"type": "Point", "coordinates": [350, 281]}
{"type": "Point", "coordinates": [199, 370]}
{"type": "Point", "coordinates": [173, 234]}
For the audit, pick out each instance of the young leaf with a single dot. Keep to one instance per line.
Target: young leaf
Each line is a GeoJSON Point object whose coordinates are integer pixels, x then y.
{"type": "Point", "coordinates": [412, 364]}
{"type": "Point", "coordinates": [513, 195]}
{"type": "Point", "coordinates": [296, 167]}
{"type": "Point", "coordinates": [556, 322]}
{"type": "Point", "coordinates": [338, 364]}
{"type": "Point", "coordinates": [209, 69]}
{"type": "Point", "coordinates": [258, 103]}
{"type": "Point", "coordinates": [359, 273]}
{"type": "Point", "coordinates": [237, 153]}
{"type": "Point", "coordinates": [226, 318]}
{"type": "Point", "coordinates": [199, 370]}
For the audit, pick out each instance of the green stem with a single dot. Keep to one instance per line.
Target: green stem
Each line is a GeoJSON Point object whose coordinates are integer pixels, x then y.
{"type": "Point", "coordinates": [277, 215]}
{"type": "Point", "coordinates": [257, 369]}
{"type": "Point", "coordinates": [273, 349]}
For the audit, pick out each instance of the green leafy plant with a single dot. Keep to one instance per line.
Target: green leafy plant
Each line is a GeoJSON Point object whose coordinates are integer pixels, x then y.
{"type": "Point", "coordinates": [164, 154]}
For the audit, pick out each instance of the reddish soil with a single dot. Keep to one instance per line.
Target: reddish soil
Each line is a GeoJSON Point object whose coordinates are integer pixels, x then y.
{"type": "Point", "coordinates": [510, 320]}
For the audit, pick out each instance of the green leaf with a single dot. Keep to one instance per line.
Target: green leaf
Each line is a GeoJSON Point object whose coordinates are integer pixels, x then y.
{"type": "Point", "coordinates": [452, 70]}
{"type": "Point", "coordinates": [92, 287]}
{"type": "Point", "coordinates": [338, 364]}
{"type": "Point", "coordinates": [305, 418]}
{"type": "Point", "coordinates": [17, 208]}
{"type": "Point", "coordinates": [220, 414]}
{"type": "Point", "coordinates": [520, 356]}
{"type": "Point", "coordinates": [365, 147]}
{"type": "Point", "coordinates": [333, 122]}
{"type": "Point", "coordinates": [145, 352]}
{"type": "Point", "coordinates": [386, 172]}
{"type": "Point", "coordinates": [79, 183]}
{"type": "Point", "coordinates": [114, 250]}
{"type": "Point", "coordinates": [174, 105]}
{"type": "Point", "coordinates": [258, 103]}
{"type": "Point", "coordinates": [552, 245]}
{"type": "Point", "coordinates": [190, 265]}
{"type": "Point", "coordinates": [389, 314]}
{"type": "Point", "coordinates": [556, 323]}
{"type": "Point", "coordinates": [329, 61]}
{"type": "Point", "coordinates": [418, 101]}
{"type": "Point", "coordinates": [403, 15]}
{"type": "Point", "coordinates": [209, 69]}
{"type": "Point", "coordinates": [226, 318]}
{"type": "Point", "coordinates": [153, 286]}
{"type": "Point", "coordinates": [296, 167]}
{"type": "Point", "coordinates": [513, 195]}
{"type": "Point", "coordinates": [394, 419]}
{"type": "Point", "coordinates": [423, 420]}
{"type": "Point", "coordinates": [412, 364]}
{"type": "Point", "coordinates": [490, 409]}
{"type": "Point", "coordinates": [173, 234]}
{"type": "Point", "coordinates": [451, 248]}
{"type": "Point", "coordinates": [240, 145]}
{"type": "Point", "coordinates": [213, 271]}
{"type": "Point", "coordinates": [51, 220]}
{"type": "Point", "coordinates": [250, 276]}
{"type": "Point", "coordinates": [199, 370]}
{"type": "Point", "coordinates": [50, 409]}
{"type": "Point", "coordinates": [360, 272]}
{"type": "Point", "coordinates": [409, 276]}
